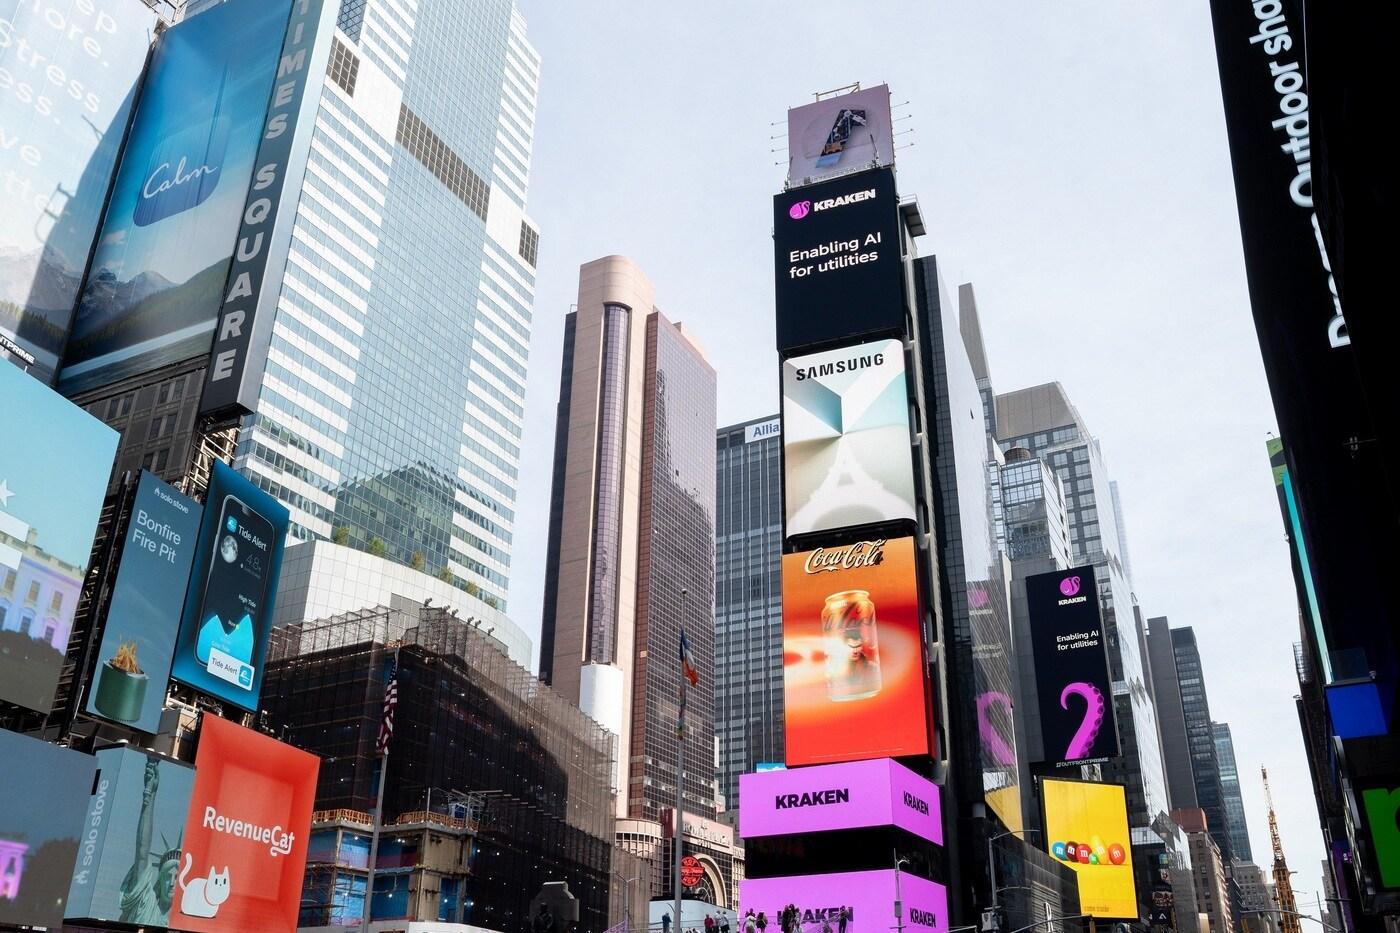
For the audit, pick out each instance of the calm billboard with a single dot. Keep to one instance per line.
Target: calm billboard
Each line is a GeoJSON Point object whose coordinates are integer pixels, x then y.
{"type": "Point", "coordinates": [854, 679]}
{"type": "Point", "coordinates": [55, 460]}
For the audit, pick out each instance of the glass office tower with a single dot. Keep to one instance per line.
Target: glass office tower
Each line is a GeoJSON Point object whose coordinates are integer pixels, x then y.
{"type": "Point", "coordinates": [748, 600]}
{"type": "Point", "coordinates": [1235, 823]}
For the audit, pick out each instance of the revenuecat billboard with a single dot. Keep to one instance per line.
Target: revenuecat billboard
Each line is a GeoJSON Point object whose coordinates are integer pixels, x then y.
{"type": "Point", "coordinates": [1073, 682]}
{"type": "Point", "coordinates": [1086, 828]}
{"type": "Point", "coordinates": [43, 796]}
{"type": "Point", "coordinates": [846, 450]}
{"type": "Point", "coordinates": [245, 840]}
{"type": "Point", "coordinates": [849, 795]}
{"type": "Point", "coordinates": [855, 684]}
{"type": "Point", "coordinates": [866, 897]}
{"type": "Point", "coordinates": [838, 263]}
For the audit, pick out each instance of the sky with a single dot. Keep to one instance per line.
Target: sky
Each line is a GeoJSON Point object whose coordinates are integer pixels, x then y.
{"type": "Point", "coordinates": [1070, 161]}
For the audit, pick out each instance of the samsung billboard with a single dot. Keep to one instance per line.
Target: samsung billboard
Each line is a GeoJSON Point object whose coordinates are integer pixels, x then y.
{"type": "Point", "coordinates": [847, 458]}
{"type": "Point", "coordinates": [839, 261]}
{"type": "Point", "coordinates": [68, 78]}
{"type": "Point", "coordinates": [162, 259]}
{"type": "Point", "coordinates": [1073, 683]}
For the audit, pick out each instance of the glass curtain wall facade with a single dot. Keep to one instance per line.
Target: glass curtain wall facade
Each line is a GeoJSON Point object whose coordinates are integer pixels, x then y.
{"type": "Point", "coordinates": [677, 553]}
{"type": "Point", "coordinates": [390, 413]}
{"type": "Point", "coordinates": [1031, 520]}
{"type": "Point", "coordinates": [1235, 824]}
{"type": "Point", "coordinates": [469, 722]}
{"type": "Point", "coordinates": [748, 602]}
{"type": "Point", "coordinates": [607, 518]}
{"type": "Point", "coordinates": [1200, 738]}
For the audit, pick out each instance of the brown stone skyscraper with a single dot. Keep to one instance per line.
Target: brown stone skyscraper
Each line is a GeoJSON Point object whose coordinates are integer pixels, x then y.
{"type": "Point", "coordinates": [631, 536]}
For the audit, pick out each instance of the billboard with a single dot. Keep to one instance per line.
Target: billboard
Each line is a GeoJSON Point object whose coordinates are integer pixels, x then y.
{"type": "Point", "coordinates": [846, 451]}
{"type": "Point", "coordinates": [234, 376]}
{"type": "Point", "coordinates": [1380, 808]}
{"type": "Point", "coordinates": [55, 460]}
{"type": "Point", "coordinates": [143, 614]}
{"type": "Point", "coordinates": [1086, 828]}
{"type": "Point", "coordinates": [45, 794]}
{"type": "Point", "coordinates": [128, 863]}
{"type": "Point", "coordinates": [1072, 678]}
{"type": "Point", "coordinates": [850, 795]}
{"type": "Point", "coordinates": [854, 680]}
{"type": "Point", "coordinates": [867, 897]}
{"type": "Point", "coordinates": [228, 605]}
{"type": "Point", "coordinates": [162, 259]}
{"type": "Point", "coordinates": [838, 261]}
{"type": "Point", "coordinates": [245, 839]}
{"type": "Point", "coordinates": [65, 102]}
{"type": "Point", "coordinates": [840, 135]}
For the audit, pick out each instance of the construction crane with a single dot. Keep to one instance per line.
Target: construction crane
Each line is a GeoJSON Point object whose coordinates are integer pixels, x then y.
{"type": "Point", "coordinates": [1283, 885]}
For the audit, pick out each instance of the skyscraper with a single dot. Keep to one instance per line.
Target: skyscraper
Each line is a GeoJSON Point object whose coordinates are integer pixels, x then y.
{"type": "Point", "coordinates": [631, 536]}
{"type": "Point", "coordinates": [1171, 719]}
{"type": "Point", "coordinates": [748, 600]}
{"type": "Point", "coordinates": [1235, 824]}
{"type": "Point", "coordinates": [1200, 738]}
{"type": "Point", "coordinates": [390, 410]}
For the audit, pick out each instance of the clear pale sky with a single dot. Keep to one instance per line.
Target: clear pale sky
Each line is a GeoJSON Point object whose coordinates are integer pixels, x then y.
{"type": "Point", "coordinates": [1071, 163]}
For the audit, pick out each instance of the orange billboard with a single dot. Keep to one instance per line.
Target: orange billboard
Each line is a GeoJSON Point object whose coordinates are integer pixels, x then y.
{"type": "Point", "coordinates": [245, 837]}
{"type": "Point", "coordinates": [855, 683]}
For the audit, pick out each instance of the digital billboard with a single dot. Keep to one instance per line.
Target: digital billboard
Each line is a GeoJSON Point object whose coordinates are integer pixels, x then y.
{"type": "Point", "coordinates": [55, 460]}
{"type": "Point", "coordinates": [143, 614]}
{"type": "Point", "coordinates": [854, 679]}
{"type": "Point", "coordinates": [1086, 828]}
{"type": "Point", "coordinates": [1380, 808]}
{"type": "Point", "coordinates": [162, 258]}
{"type": "Point", "coordinates": [840, 134]}
{"type": "Point", "coordinates": [128, 862]}
{"type": "Point", "coordinates": [850, 795]}
{"type": "Point", "coordinates": [847, 458]}
{"type": "Point", "coordinates": [1072, 678]}
{"type": "Point", "coordinates": [68, 77]}
{"type": "Point", "coordinates": [42, 803]}
{"type": "Point", "coordinates": [839, 267]}
{"type": "Point", "coordinates": [228, 605]}
{"type": "Point", "coordinates": [867, 898]}
{"type": "Point", "coordinates": [245, 838]}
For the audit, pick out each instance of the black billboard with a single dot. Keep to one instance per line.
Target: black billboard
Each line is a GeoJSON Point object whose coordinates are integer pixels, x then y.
{"type": "Point", "coordinates": [1073, 683]}
{"type": "Point", "coordinates": [1335, 462]}
{"type": "Point", "coordinates": [838, 265]}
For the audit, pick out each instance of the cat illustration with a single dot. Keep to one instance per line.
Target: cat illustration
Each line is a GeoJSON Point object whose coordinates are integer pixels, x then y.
{"type": "Point", "coordinates": [202, 896]}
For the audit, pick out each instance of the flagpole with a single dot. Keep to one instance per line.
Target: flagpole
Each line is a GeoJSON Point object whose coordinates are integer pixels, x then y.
{"type": "Point", "coordinates": [678, 843]}
{"type": "Point", "coordinates": [378, 814]}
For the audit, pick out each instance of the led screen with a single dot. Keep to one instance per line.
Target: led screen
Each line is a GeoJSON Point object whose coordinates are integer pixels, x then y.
{"type": "Point", "coordinates": [162, 258]}
{"type": "Point", "coordinates": [42, 803]}
{"type": "Point", "coordinates": [846, 452]}
{"type": "Point", "coordinates": [228, 605]}
{"type": "Point", "coordinates": [143, 615]}
{"type": "Point", "coordinates": [129, 861]}
{"type": "Point", "coordinates": [68, 76]}
{"type": "Point", "coordinates": [855, 684]}
{"type": "Point", "coordinates": [839, 135]}
{"type": "Point", "coordinates": [1086, 828]}
{"type": "Point", "coordinates": [55, 460]}
{"type": "Point", "coordinates": [867, 897]}
{"type": "Point", "coordinates": [839, 269]}
{"type": "Point", "coordinates": [850, 795]}
{"type": "Point", "coordinates": [246, 835]}
{"type": "Point", "coordinates": [1073, 683]}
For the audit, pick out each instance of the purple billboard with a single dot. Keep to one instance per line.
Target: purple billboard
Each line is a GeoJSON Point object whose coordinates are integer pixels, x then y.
{"type": "Point", "coordinates": [851, 795]}
{"type": "Point", "coordinates": [867, 896]}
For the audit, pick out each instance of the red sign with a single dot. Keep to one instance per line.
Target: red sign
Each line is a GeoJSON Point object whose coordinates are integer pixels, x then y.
{"type": "Point", "coordinates": [245, 837]}
{"type": "Point", "coordinates": [691, 871]}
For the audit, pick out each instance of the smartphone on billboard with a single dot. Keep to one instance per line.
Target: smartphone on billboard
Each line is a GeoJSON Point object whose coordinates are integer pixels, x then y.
{"type": "Point", "coordinates": [235, 593]}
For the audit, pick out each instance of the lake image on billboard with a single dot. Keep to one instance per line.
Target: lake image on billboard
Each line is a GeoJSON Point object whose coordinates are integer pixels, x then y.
{"type": "Point", "coordinates": [162, 258]}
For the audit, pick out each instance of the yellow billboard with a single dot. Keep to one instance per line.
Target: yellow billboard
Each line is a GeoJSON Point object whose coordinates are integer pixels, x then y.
{"type": "Point", "coordinates": [1086, 828]}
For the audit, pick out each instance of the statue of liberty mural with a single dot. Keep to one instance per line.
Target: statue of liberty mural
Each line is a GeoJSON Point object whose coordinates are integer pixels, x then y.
{"type": "Point", "coordinates": [148, 889]}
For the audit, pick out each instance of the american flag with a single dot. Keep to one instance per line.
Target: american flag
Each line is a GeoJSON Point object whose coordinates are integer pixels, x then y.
{"type": "Point", "coordinates": [391, 700]}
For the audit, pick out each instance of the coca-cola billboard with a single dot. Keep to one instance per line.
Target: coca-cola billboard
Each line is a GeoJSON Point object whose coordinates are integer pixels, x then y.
{"type": "Point", "coordinates": [854, 682]}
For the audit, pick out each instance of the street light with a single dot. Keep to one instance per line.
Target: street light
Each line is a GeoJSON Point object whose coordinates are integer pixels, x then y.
{"type": "Point", "coordinates": [898, 900]}
{"type": "Point", "coordinates": [991, 860]}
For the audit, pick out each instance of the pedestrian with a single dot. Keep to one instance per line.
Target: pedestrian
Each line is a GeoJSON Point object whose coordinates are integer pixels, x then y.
{"type": "Point", "coordinates": [666, 923]}
{"type": "Point", "coordinates": [750, 922]}
{"type": "Point", "coordinates": [724, 923]}
{"type": "Point", "coordinates": [762, 922]}
{"type": "Point", "coordinates": [709, 923]}
{"type": "Point", "coordinates": [844, 916]}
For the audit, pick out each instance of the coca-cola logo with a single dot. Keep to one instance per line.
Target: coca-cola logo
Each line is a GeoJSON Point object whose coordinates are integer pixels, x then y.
{"type": "Point", "coordinates": [849, 557]}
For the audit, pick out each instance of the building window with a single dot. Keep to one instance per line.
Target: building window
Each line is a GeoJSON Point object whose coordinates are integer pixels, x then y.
{"type": "Point", "coordinates": [529, 243]}
{"type": "Point", "coordinates": [161, 425]}
{"type": "Point", "coordinates": [351, 18]}
{"type": "Point", "coordinates": [56, 604]}
{"type": "Point", "coordinates": [7, 583]}
{"type": "Point", "coordinates": [156, 460]}
{"type": "Point", "coordinates": [32, 598]}
{"type": "Point", "coordinates": [437, 157]}
{"type": "Point", "coordinates": [344, 69]}
{"type": "Point", "coordinates": [26, 621]}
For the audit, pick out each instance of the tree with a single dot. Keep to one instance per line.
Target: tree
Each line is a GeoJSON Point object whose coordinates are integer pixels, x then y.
{"type": "Point", "coordinates": [376, 547]}
{"type": "Point", "coordinates": [340, 535]}
{"type": "Point", "coordinates": [415, 560]}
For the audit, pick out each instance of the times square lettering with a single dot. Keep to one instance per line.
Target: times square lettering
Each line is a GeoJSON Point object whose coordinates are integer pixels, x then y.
{"type": "Point", "coordinates": [850, 557]}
